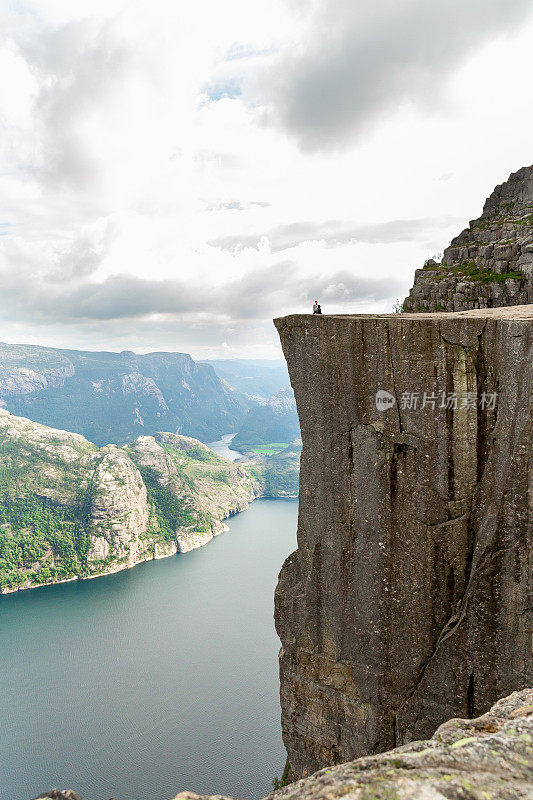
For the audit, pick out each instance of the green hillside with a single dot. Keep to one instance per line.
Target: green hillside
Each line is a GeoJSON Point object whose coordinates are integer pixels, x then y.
{"type": "Point", "coordinates": [69, 509]}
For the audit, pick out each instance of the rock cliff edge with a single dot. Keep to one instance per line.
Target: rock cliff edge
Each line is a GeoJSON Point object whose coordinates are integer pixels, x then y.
{"type": "Point", "coordinates": [407, 601]}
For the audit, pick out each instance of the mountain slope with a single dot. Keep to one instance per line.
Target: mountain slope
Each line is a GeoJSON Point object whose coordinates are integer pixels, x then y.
{"type": "Point", "coordinates": [69, 509]}
{"type": "Point", "coordinates": [277, 421]}
{"type": "Point", "coordinates": [257, 378]}
{"type": "Point", "coordinates": [113, 397]}
{"type": "Point", "coordinates": [490, 263]}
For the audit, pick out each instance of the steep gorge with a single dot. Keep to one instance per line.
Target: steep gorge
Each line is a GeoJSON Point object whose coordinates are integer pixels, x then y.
{"type": "Point", "coordinates": [408, 599]}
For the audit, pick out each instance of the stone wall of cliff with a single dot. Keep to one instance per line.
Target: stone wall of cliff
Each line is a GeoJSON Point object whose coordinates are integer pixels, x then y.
{"type": "Point", "coordinates": [407, 601]}
{"type": "Point", "coordinates": [489, 264]}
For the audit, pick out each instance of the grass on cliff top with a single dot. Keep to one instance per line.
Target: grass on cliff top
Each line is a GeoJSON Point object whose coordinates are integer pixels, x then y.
{"type": "Point", "coordinates": [527, 220]}
{"type": "Point", "coordinates": [279, 471]}
{"type": "Point", "coordinates": [470, 271]}
{"type": "Point", "coordinates": [197, 463]}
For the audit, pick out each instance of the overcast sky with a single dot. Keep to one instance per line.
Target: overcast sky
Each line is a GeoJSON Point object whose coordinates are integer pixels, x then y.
{"type": "Point", "coordinates": [173, 175]}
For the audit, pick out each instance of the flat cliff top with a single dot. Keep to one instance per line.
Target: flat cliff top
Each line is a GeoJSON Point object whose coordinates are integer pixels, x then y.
{"type": "Point", "coordinates": [524, 312]}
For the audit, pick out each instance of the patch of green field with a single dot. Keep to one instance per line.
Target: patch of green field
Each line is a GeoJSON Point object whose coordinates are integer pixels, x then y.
{"type": "Point", "coordinates": [270, 449]}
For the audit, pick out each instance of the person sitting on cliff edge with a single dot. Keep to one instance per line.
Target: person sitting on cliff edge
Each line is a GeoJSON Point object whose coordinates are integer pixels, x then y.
{"type": "Point", "coordinates": [315, 307]}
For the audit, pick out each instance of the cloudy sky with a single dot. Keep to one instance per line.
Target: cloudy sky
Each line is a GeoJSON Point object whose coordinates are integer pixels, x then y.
{"type": "Point", "coordinates": [173, 174]}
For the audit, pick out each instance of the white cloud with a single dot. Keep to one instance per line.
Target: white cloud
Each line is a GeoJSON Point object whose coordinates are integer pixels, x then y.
{"type": "Point", "coordinates": [360, 60]}
{"type": "Point", "coordinates": [140, 211]}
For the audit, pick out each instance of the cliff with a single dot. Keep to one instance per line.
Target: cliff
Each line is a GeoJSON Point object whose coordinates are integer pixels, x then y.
{"type": "Point", "coordinates": [489, 264]}
{"type": "Point", "coordinates": [70, 509]}
{"type": "Point", "coordinates": [407, 601]}
{"type": "Point", "coordinates": [197, 479]}
{"type": "Point", "coordinates": [488, 758]}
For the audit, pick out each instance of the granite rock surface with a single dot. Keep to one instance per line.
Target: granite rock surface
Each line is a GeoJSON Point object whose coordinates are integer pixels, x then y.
{"type": "Point", "coordinates": [408, 600]}
{"type": "Point", "coordinates": [488, 758]}
{"type": "Point", "coordinates": [490, 263]}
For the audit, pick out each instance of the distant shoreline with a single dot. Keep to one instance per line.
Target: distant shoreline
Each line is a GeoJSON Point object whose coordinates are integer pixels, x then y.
{"type": "Point", "coordinates": [153, 557]}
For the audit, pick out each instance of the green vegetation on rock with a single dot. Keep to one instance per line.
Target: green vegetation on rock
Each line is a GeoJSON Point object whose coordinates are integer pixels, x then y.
{"type": "Point", "coordinates": [275, 422]}
{"type": "Point", "coordinates": [488, 264]}
{"type": "Point", "coordinates": [40, 541]}
{"type": "Point", "coordinates": [270, 449]}
{"type": "Point", "coordinates": [170, 512]}
{"type": "Point", "coordinates": [277, 471]}
{"type": "Point", "coordinates": [470, 271]}
{"type": "Point", "coordinates": [69, 509]}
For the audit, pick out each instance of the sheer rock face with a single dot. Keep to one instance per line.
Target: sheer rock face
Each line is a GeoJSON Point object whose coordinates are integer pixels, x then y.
{"type": "Point", "coordinates": [490, 757]}
{"type": "Point", "coordinates": [406, 602]}
{"type": "Point", "coordinates": [474, 267]}
{"type": "Point", "coordinates": [119, 510]}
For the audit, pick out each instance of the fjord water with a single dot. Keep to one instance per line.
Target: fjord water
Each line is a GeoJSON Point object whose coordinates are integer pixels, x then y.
{"type": "Point", "coordinates": [221, 447]}
{"type": "Point", "coordinates": [154, 680]}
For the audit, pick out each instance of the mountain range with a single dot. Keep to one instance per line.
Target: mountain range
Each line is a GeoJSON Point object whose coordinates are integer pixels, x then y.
{"type": "Point", "coordinates": [275, 421]}
{"type": "Point", "coordinates": [114, 397]}
{"type": "Point", "coordinates": [258, 379]}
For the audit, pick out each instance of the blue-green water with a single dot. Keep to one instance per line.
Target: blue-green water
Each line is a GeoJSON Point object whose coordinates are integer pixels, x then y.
{"type": "Point", "coordinates": [151, 681]}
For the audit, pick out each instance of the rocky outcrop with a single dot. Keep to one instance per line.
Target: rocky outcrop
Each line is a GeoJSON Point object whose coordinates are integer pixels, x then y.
{"type": "Point", "coordinates": [79, 511]}
{"type": "Point", "coordinates": [488, 758]}
{"type": "Point", "coordinates": [408, 600]}
{"type": "Point", "coordinates": [118, 511]}
{"type": "Point", "coordinates": [147, 452]}
{"type": "Point", "coordinates": [136, 384]}
{"type": "Point", "coordinates": [214, 489]}
{"type": "Point", "coordinates": [489, 264]}
{"type": "Point", "coordinates": [26, 369]}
